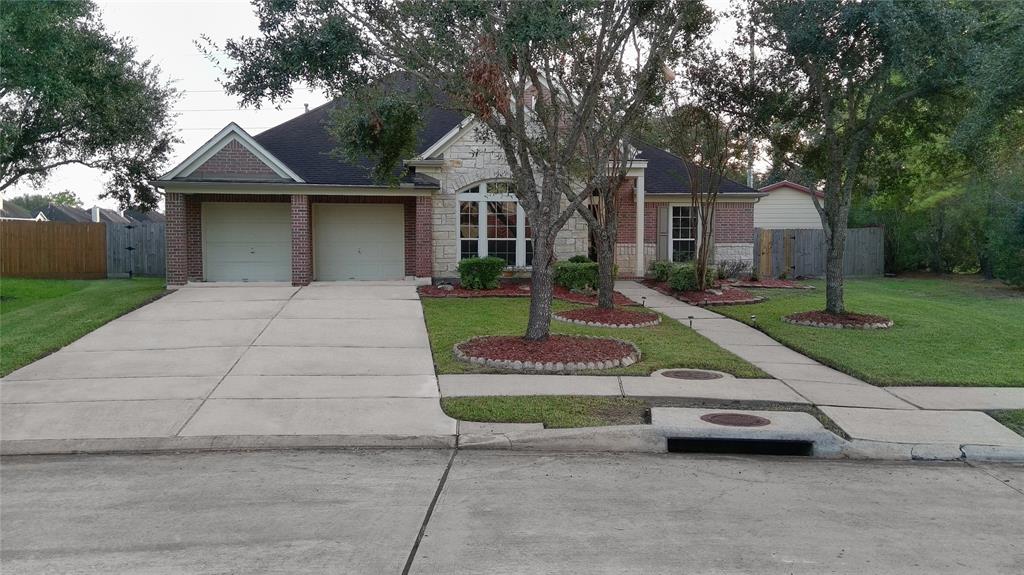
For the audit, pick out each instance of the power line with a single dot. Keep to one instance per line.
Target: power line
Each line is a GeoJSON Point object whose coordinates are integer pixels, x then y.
{"type": "Point", "coordinates": [231, 109]}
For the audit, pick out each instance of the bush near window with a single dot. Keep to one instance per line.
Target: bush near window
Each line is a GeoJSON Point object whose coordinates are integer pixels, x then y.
{"type": "Point", "coordinates": [661, 269]}
{"type": "Point", "coordinates": [683, 277]}
{"type": "Point", "coordinates": [480, 273]}
{"type": "Point", "coordinates": [576, 276]}
{"type": "Point", "coordinates": [580, 259]}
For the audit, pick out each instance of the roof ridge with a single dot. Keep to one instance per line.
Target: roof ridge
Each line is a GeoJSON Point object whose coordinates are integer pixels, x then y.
{"type": "Point", "coordinates": [293, 119]}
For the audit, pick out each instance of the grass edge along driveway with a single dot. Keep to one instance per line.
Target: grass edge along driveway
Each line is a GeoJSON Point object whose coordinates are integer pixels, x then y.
{"type": "Point", "coordinates": [952, 332]}
{"type": "Point", "coordinates": [667, 345]}
{"type": "Point", "coordinates": [38, 317]}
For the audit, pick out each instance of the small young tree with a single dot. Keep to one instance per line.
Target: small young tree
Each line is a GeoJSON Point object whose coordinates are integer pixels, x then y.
{"type": "Point", "coordinates": [71, 93]}
{"type": "Point", "coordinates": [532, 73]}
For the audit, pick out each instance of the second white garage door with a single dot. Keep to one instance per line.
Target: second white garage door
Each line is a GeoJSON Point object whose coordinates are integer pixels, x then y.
{"type": "Point", "coordinates": [359, 241]}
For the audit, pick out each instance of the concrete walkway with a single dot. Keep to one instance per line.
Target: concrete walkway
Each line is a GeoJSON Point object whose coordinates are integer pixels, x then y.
{"type": "Point", "coordinates": [238, 366]}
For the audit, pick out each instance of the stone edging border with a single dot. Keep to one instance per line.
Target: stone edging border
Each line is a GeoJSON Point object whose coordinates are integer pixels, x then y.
{"type": "Point", "coordinates": [755, 299]}
{"type": "Point", "coordinates": [878, 325]}
{"type": "Point", "coordinates": [611, 325]}
{"type": "Point", "coordinates": [554, 367]}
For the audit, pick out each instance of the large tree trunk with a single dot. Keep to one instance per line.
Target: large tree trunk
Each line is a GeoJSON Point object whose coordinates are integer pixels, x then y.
{"type": "Point", "coordinates": [538, 327]}
{"type": "Point", "coordinates": [834, 270]}
{"type": "Point", "coordinates": [605, 271]}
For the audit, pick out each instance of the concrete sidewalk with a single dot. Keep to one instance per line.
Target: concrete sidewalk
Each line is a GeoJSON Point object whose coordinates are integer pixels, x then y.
{"type": "Point", "coordinates": [238, 366]}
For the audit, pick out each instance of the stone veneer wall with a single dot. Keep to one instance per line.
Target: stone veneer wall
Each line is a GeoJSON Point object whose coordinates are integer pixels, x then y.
{"type": "Point", "coordinates": [468, 161]}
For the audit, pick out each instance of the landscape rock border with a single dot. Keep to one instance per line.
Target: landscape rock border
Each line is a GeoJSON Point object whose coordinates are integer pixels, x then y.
{"type": "Point", "coordinates": [550, 367]}
{"type": "Point", "coordinates": [652, 323]}
{"type": "Point", "coordinates": [810, 323]}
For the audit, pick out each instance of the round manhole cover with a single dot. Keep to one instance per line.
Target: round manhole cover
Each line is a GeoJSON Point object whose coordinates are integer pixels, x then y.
{"type": "Point", "coordinates": [691, 374]}
{"type": "Point", "coordinates": [735, 419]}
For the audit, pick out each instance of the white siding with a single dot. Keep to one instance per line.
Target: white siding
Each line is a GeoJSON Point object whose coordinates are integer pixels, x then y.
{"type": "Point", "coordinates": [786, 208]}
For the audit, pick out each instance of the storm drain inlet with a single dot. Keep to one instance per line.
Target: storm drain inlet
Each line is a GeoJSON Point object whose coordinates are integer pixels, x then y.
{"type": "Point", "coordinates": [740, 446]}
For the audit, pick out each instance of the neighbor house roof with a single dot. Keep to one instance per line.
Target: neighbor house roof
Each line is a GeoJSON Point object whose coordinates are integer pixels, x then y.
{"type": "Point", "coordinates": [792, 185]}
{"type": "Point", "coordinates": [59, 213]}
{"type": "Point", "coordinates": [14, 211]}
{"type": "Point", "coordinates": [140, 216]}
{"type": "Point", "coordinates": [667, 173]}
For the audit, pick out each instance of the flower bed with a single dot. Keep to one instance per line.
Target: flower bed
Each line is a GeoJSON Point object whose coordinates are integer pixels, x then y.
{"type": "Point", "coordinates": [518, 290]}
{"type": "Point", "coordinates": [722, 295]}
{"type": "Point", "coordinates": [843, 321]}
{"type": "Point", "coordinates": [598, 317]}
{"type": "Point", "coordinates": [557, 353]}
{"type": "Point", "coordinates": [770, 284]}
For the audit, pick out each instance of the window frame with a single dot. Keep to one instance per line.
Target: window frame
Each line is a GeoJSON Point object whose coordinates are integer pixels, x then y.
{"type": "Point", "coordinates": [479, 194]}
{"type": "Point", "coordinates": [696, 239]}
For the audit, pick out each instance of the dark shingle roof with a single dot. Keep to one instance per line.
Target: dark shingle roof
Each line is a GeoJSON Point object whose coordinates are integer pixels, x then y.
{"type": "Point", "coordinates": [667, 173]}
{"type": "Point", "coordinates": [12, 210]}
{"type": "Point", "coordinates": [144, 217]}
{"type": "Point", "coordinates": [58, 213]}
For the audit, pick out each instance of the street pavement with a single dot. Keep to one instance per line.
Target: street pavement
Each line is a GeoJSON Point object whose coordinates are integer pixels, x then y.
{"type": "Point", "coordinates": [361, 511]}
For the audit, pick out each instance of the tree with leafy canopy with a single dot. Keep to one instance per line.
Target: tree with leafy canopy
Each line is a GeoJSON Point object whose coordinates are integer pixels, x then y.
{"type": "Point", "coordinates": [533, 74]}
{"type": "Point", "coordinates": [36, 202]}
{"type": "Point", "coordinates": [72, 93]}
{"type": "Point", "coordinates": [832, 71]}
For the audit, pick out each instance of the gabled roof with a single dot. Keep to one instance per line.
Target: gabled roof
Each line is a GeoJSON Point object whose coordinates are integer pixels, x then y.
{"type": "Point", "coordinates": [58, 213]}
{"type": "Point", "coordinates": [667, 174]}
{"type": "Point", "coordinates": [792, 185]}
{"type": "Point", "coordinates": [141, 217]}
{"type": "Point", "coordinates": [14, 211]}
{"type": "Point", "coordinates": [231, 133]}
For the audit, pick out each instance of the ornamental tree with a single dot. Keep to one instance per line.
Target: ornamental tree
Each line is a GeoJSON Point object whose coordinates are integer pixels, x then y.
{"type": "Point", "coordinates": [534, 74]}
{"type": "Point", "coordinates": [72, 93]}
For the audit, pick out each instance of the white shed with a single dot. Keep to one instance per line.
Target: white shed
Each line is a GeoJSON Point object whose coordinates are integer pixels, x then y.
{"type": "Point", "coordinates": [787, 206]}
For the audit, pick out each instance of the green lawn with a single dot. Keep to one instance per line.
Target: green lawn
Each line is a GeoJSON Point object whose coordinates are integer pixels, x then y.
{"type": "Point", "coordinates": [947, 331]}
{"type": "Point", "coordinates": [1013, 418]}
{"type": "Point", "coordinates": [40, 316]}
{"type": "Point", "coordinates": [669, 344]}
{"type": "Point", "coordinates": [552, 410]}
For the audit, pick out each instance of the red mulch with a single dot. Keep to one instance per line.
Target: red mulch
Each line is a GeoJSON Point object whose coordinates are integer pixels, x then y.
{"type": "Point", "coordinates": [557, 348]}
{"type": "Point", "coordinates": [770, 284]}
{"type": "Point", "coordinates": [518, 290]}
{"type": "Point", "coordinates": [851, 319]}
{"type": "Point", "coordinates": [609, 316]}
{"type": "Point", "coordinates": [729, 295]}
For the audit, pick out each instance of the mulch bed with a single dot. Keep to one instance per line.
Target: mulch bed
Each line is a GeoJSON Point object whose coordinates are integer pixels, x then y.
{"type": "Point", "coordinates": [518, 290]}
{"type": "Point", "coordinates": [726, 295]}
{"type": "Point", "coordinates": [770, 284]}
{"type": "Point", "coordinates": [597, 317]}
{"type": "Point", "coordinates": [843, 321]}
{"type": "Point", "coordinates": [557, 353]}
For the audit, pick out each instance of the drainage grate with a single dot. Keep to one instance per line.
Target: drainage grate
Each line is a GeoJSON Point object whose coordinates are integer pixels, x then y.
{"type": "Point", "coordinates": [691, 374]}
{"type": "Point", "coordinates": [740, 446]}
{"type": "Point", "coordinates": [735, 419]}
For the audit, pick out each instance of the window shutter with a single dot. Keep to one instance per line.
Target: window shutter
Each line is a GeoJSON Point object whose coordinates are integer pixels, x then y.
{"type": "Point", "coordinates": [663, 230]}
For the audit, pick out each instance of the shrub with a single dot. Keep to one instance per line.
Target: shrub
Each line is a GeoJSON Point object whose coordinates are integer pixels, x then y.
{"type": "Point", "coordinates": [480, 273]}
{"type": "Point", "coordinates": [661, 269]}
{"type": "Point", "coordinates": [683, 277]}
{"type": "Point", "coordinates": [578, 276]}
{"type": "Point", "coordinates": [581, 259]}
{"type": "Point", "coordinates": [732, 269]}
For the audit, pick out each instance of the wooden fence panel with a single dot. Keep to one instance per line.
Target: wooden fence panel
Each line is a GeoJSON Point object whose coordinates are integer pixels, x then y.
{"type": "Point", "coordinates": [796, 253]}
{"type": "Point", "coordinates": [147, 256]}
{"type": "Point", "coordinates": [55, 250]}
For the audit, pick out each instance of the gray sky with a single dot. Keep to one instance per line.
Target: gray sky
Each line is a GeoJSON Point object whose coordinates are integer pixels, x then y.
{"type": "Point", "coordinates": [165, 31]}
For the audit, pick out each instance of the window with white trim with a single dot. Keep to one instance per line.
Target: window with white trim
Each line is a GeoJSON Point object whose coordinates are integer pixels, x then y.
{"type": "Point", "coordinates": [683, 244]}
{"type": "Point", "coordinates": [491, 223]}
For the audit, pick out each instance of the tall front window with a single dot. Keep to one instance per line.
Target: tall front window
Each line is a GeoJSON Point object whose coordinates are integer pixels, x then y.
{"type": "Point", "coordinates": [684, 233]}
{"type": "Point", "coordinates": [491, 223]}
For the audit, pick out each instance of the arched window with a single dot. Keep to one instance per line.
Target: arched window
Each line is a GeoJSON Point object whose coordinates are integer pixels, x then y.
{"type": "Point", "coordinates": [491, 223]}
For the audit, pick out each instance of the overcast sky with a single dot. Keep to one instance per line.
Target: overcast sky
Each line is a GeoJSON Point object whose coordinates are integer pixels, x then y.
{"type": "Point", "coordinates": [165, 31]}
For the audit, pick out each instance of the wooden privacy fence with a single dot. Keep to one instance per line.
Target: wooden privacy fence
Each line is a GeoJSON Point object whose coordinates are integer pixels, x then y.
{"type": "Point", "coordinates": [55, 250]}
{"type": "Point", "coordinates": [136, 249]}
{"type": "Point", "coordinates": [796, 253]}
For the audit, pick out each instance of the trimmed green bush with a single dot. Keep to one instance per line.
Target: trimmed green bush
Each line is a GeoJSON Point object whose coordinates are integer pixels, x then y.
{"type": "Point", "coordinates": [480, 273]}
{"type": "Point", "coordinates": [576, 276]}
{"type": "Point", "coordinates": [683, 277]}
{"type": "Point", "coordinates": [661, 269]}
{"type": "Point", "coordinates": [580, 259]}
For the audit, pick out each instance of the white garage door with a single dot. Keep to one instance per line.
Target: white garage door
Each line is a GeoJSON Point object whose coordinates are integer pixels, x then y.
{"type": "Point", "coordinates": [359, 241]}
{"type": "Point", "coordinates": [247, 242]}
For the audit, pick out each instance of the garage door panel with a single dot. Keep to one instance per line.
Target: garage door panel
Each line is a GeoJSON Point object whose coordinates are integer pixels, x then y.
{"type": "Point", "coordinates": [356, 241]}
{"type": "Point", "coordinates": [247, 242]}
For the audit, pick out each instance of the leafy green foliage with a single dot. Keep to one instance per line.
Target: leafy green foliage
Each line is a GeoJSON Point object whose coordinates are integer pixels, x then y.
{"type": "Point", "coordinates": [36, 202]}
{"type": "Point", "coordinates": [72, 93]}
{"type": "Point", "coordinates": [577, 276]}
{"type": "Point", "coordinates": [480, 273]}
{"type": "Point", "coordinates": [1008, 249]}
{"type": "Point", "coordinates": [661, 269]}
{"type": "Point", "coordinates": [379, 126]}
{"type": "Point", "coordinates": [580, 259]}
{"type": "Point", "coordinates": [683, 277]}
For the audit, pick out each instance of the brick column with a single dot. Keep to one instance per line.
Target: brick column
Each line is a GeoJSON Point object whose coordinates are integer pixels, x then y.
{"type": "Point", "coordinates": [424, 237]}
{"type": "Point", "coordinates": [177, 248]}
{"type": "Point", "coordinates": [194, 236]}
{"type": "Point", "coordinates": [302, 247]}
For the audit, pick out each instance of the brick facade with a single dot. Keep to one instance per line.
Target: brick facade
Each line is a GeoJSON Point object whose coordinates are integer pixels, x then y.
{"type": "Point", "coordinates": [302, 241]}
{"type": "Point", "coordinates": [176, 234]}
{"type": "Point", "coordinates": [625, 202]}
{"type": "Point", "coordinates": [734, 222]}
{"type": "Point", "coordinates": [235, 162]}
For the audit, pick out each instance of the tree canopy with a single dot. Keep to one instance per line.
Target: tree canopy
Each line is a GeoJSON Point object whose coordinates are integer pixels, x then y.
{"type": "Point", "coordinates": [72, 93]}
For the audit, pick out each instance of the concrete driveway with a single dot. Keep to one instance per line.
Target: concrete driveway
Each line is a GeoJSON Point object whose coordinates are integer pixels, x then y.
{"type": "Point", "coordinates": [240, 365]}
